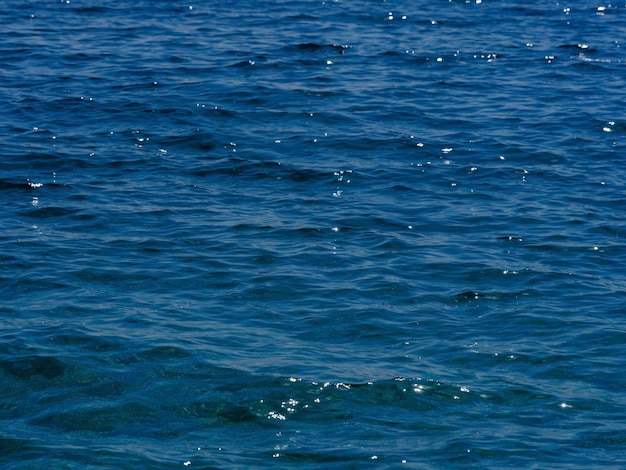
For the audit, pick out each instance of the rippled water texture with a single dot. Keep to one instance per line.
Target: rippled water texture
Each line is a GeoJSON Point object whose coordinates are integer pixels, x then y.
{"type": "Point", "coordinates": [312, 234]}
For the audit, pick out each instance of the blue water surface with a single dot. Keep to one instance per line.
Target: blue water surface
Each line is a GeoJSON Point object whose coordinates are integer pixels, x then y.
{"type": "Point", "coordinates": [312, 234]}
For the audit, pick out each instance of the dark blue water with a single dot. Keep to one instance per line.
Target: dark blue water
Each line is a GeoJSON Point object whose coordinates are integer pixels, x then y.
{"type": "Point", "coordinates": [312, 234]}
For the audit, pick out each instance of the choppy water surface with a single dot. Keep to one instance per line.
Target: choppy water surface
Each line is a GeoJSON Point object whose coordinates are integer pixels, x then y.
{"type": "Point", "coordinates": [312, 234]}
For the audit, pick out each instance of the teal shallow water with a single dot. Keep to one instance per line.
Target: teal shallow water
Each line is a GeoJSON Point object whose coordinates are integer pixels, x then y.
{"type": "Point", "coordinates": [312, 235]}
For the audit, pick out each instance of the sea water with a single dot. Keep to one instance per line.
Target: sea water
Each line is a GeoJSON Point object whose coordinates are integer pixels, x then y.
{"type": "Point", "coordinates": [312, 234]}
